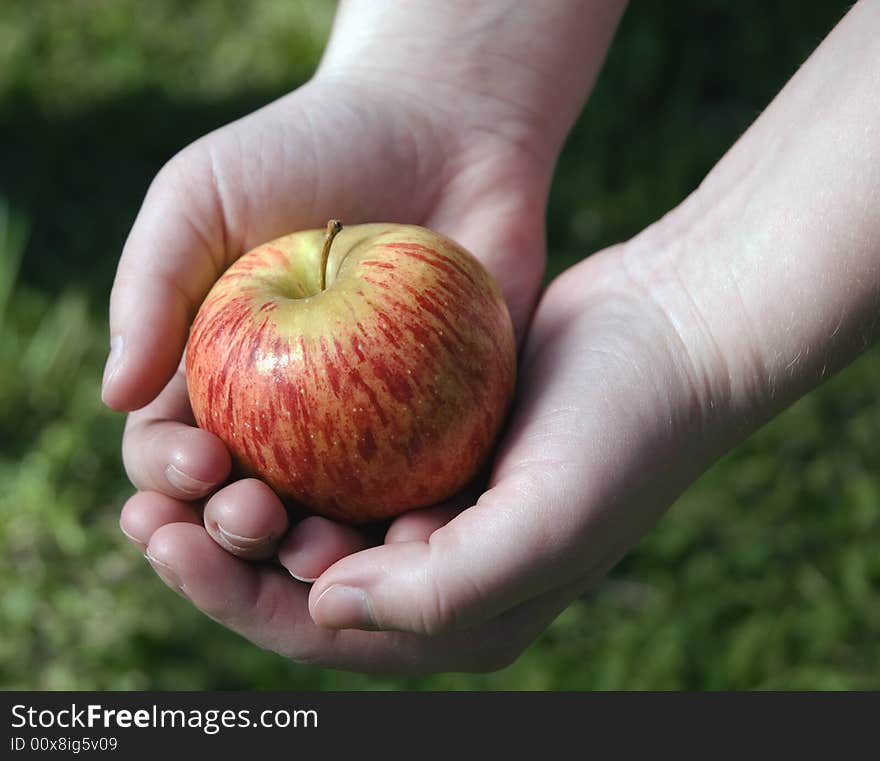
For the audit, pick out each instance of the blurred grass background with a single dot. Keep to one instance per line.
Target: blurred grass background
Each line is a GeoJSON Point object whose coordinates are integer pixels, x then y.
{"type": "Point", "coordinates": [766, 574]}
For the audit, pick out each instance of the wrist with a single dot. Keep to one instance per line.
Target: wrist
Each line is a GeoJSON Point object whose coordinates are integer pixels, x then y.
{"type": "Point", "coordinates": [769, 270]}
{"type": "Point", "coordinates": [509, 70]}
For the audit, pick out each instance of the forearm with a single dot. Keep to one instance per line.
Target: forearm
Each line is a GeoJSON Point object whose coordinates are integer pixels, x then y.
{"type": "Point", "coordinates": [530, 65]}
{"type": "Point", "coordinates": [773, 264]}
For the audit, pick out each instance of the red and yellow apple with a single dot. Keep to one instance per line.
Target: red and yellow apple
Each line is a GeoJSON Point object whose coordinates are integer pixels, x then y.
{"type": "Point", "coordinates": [360, 372]}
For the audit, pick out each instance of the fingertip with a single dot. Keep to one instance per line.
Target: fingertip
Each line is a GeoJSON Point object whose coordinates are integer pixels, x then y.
{"type": "Point", "coordinates": [316, 543]}
{"type": "Point", "coordinates": [168, 542]}
{"type": "Point", "coordinates": [130, 386]}
{"type": "Point", "coordinates": [343, 607]}
{"type": "Point", "coordinates": [198, 462]}
{"type": "Point", "coordinates": [146, 512]}
{"type": "Point", "coordinates": [148, 332]}
{"type": "Point", "coordinates": [127, 531]}
{"type": "Point", "coordinates": [111, 369]}
{"type": "Point", "coordinates": [163, 450]}
{"type": "Point", "coordinates": [418, 525]}
{"type": "Point", "coordinates": [166, 549]}
{"type": "Point", "coordinates": [247, 519]}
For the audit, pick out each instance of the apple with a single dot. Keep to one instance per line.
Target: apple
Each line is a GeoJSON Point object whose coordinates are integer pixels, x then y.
{"type": "Point", "coordinates": [360, 372]}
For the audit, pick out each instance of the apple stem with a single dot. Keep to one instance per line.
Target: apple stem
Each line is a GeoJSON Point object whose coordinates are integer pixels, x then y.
{"type": "Point", "coordinates": [333, 228]}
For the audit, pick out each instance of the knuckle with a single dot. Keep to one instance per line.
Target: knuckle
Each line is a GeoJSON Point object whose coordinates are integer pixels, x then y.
{"type": "Point", "coordinates": [439, 615]}
{"type": "Point", "coordinates": [167, 177]}
{"type": "Point", "coordinates": [455, 599]}
{"type": "Point", "coordinates": [174, 169]}
{"type": "Point", "coordinates": [176, 176]}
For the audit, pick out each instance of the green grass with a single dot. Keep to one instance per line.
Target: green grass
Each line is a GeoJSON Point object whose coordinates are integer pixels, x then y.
{"type": "Point", "coordinates": [766, 574]}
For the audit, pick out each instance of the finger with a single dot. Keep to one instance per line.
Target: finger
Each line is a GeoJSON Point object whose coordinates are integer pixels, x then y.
{"type": "Point", "coordinates": [247, 519]}
{"type": "Point", "coordinates": [162, 451]}
{"type": "Point", "coordinates": [214, 201]}
{"type": "Point", "coordinates": [145, 512]}
{"type": "Point", "coordinates": [316, 543]}
{"type": "Point", "coordinates": [565, 504]}
{"type": "Point", "coordinates": [485, 561]}
{"type": "Point", "coordinates": [515, 232]}
{"type": "Point", "coordinates": [174, 253]}
{"type": "Point", "coordinates": [498, 227]}
{"type": "Point", "coordinates": [467, 573]}
{"type": "Point", "coordinates": [268, 607]}
{"type": "Point", "coordinates": [418, 525]}
{"type": "Point", "coordinates": [259, 601]}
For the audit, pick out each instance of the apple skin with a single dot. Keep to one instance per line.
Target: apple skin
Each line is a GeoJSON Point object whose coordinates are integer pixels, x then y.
{"type": "Point", "coordinates": [380, 394]}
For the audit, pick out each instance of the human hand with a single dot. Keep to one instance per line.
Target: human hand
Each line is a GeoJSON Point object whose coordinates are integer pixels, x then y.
{"type": "Point", "coordinates": [364, 155]}
{"type": "Point", "coordinates": [581, 473]}
{"type": "Point", "coordinates": [643, 364]}
{"type": "Point", "coordinates": [362, 142]}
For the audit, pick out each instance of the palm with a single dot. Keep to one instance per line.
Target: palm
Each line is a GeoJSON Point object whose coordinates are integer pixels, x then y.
{"type": "Point", "coordinates": [362, 157]}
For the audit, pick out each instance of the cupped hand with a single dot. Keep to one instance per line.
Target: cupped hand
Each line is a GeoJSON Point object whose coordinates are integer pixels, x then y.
{"type": "Point", "coordinates": [593, 455]}
{"type": "Point", "coordinates": [446, 115]}
{"type": "Point", "coordinates": [642, 364]}
{"type": "Point", "coordinates": [343, 147]}
{"type": "Point", "coordinates": [337, 148]}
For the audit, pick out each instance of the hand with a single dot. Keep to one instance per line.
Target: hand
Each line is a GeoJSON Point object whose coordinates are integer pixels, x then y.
{"type": "Point", "coordinates": [360, 145]}
{"type": "Point", "coordinates": [329, 149]}
{"type": "Point", "coordinates": [608, 402]}
{"type": "Point", "coordinates": [643, 364]}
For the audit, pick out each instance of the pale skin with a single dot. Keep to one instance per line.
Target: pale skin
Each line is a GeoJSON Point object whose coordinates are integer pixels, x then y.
{"type": "Point", "coordinates": [639, 366]}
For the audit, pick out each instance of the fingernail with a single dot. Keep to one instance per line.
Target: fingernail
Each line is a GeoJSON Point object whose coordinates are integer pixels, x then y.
{"type": "Point", "coordinates": [190, 486]}
{"type": "Point", "coordinates": [303, 579]}
{"type": "Point", "coordinates": [345, 607]}
{"type": "Point", "coordinates": [242, 542]}
{"type": "Point", "coordinates": [166, 573]}
{"type": "Point", "coordinates": [131, 538]}
{"type": "Point", "coordinates": [113, 362]}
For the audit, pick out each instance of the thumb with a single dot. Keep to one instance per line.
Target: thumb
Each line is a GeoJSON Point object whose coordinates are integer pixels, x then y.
{"type": "Point", "coordinates": [173, 255]}
{"type": "Point", "coordinates": [506, 549]}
